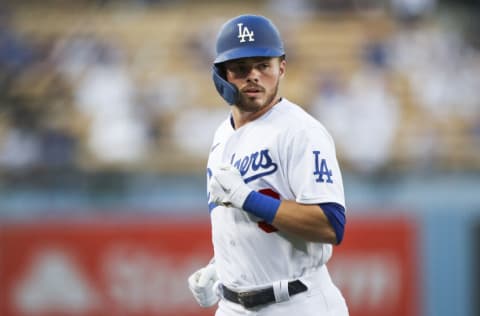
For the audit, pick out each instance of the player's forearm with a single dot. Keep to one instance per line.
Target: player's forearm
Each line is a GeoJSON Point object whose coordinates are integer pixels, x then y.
{"type": "Point", "coordinates": [306, 221]}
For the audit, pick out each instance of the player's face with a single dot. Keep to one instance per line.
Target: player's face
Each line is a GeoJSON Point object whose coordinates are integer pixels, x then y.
{"type": "Point", "coordinates": [257, 80]}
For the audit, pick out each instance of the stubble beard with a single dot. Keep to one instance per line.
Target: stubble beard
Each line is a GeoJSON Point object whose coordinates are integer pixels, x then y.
{"type": "Point", "coordinates": [247, 104]}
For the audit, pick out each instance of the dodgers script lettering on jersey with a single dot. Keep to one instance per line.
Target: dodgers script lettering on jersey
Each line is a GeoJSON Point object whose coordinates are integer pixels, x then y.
{"type": "Point", "coordinates": [255, 165]}
{"type": "Point", "coordinates": [293, 159]}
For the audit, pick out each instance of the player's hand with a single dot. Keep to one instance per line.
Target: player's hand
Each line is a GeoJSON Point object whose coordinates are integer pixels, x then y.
{"type": "Point", "coordinates": [204, 286]}
{"type": "Point", "coordinates": [227, 187]}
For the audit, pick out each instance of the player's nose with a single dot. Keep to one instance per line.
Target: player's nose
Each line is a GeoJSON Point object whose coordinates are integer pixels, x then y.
{"type": "Point", "coordinates": [253, 75]}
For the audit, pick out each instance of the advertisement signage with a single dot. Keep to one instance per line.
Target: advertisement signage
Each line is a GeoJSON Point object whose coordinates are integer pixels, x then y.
{"type": "Point", "coordinates": [140, 267]}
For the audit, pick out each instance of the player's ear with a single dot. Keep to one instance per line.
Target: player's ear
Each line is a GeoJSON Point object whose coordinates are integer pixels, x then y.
{"type": "Point", "coordinates": [282, 66]}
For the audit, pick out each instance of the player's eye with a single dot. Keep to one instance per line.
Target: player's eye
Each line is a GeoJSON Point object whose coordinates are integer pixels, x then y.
{"type": "Point", "coordinates": [242, 68]}
{"type": "Point", "coordinates": [238, 69]}
{"type": "Point", "coordinates": [263, 66]}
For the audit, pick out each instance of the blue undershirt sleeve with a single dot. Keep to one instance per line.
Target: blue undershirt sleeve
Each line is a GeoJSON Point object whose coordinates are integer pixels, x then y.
{"type": "Point", "coordinates": [336, 216]}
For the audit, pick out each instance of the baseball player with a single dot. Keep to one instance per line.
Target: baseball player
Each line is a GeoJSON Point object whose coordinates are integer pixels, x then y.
{"type": "Point", "coordinates": [275, 189]}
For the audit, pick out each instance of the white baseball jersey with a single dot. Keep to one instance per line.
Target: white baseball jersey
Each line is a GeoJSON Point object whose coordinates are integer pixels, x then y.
{"type": "Point", "coordinates": [286, 154]}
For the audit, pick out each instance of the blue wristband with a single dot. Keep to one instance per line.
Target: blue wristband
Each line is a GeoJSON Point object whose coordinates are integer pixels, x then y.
{"type": "Point", "coordinates": [262, 206]}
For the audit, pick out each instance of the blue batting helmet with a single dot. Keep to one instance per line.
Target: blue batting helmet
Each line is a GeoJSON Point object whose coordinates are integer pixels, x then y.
{"type": "Point", "coordinates": [241, 37]}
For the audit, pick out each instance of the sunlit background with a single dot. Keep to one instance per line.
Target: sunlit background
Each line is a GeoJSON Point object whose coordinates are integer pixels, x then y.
{"type": "Point", "coordinates": [107, 110]}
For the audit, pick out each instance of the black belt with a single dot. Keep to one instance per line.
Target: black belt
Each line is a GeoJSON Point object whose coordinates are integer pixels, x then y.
{"type": "Point", "coordinates": [260, 297]}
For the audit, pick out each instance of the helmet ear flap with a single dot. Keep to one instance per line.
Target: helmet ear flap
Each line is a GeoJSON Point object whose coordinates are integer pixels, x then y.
{"type": "Point", "coordinates": [227, 90]}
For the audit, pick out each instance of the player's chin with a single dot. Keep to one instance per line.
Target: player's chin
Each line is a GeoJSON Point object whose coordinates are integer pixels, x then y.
{"type": "Point", "coordinates": [251, 104]}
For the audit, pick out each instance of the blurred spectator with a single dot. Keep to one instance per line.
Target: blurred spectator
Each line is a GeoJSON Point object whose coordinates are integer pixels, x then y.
{"type": "Point", "coordinates": [106, 96]}
{"type": "Point", "coordinates": [74, 53]}
{"type": "Point", "coordinates": [84, 97]}
{"type": "Point", "coordinates": [194, 128]}
{"type": "Point", "coordinates": [20, 146]}
{"type": "Point", "coordinates": [58, 148]}
{"type": "Point", "coordinates": [57, 128]}
{"type": "Point", "coordinates": [369, 7]}
{"type": "Point", "coordinates": [332, 6]}
{"type": "Point", "coordinates": [200, 45]}
{"type": "Point", "coordinates": [440, 69]}
{"type": "Point", "coordinates": [290, 11]}
{"type": "Point", "coordinates": [429, 56]}
{"type": "Point", "coordinates": [410, 10]}
{"type": "Point", "coordinates": [14, 51]}
{"type": "Point", "coordinates": [331, 106]}
{"type": "Point", "coordinates": [29, 89]}
{"type": "Point", "coordinates": [363, 117]}
{"type": "Point", "coordinates": [475, 132]}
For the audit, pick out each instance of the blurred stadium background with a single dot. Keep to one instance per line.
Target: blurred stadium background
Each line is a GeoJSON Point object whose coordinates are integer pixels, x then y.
{"type": "Point", "coordinates": [106, 115]}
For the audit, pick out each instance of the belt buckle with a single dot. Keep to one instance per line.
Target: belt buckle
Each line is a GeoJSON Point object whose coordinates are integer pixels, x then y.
{"type": "Point", "coordinates": [245, 299]}
{"type": "Point", "coordinates": [242, 297]}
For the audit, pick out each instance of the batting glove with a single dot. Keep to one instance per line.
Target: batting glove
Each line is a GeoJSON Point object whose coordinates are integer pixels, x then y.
{"type": "Point", "coordinates": [204, 286]}
{"type": "Point", "coordinates": [227, 187]}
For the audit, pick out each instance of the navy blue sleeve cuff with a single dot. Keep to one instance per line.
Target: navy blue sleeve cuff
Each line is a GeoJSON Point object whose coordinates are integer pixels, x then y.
{"type": "Point", "coordinates": [336, 216]}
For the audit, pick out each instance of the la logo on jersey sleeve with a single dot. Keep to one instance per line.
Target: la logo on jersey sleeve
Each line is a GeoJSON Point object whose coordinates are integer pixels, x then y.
{"type": "Point", "coordinates": [322, 172]}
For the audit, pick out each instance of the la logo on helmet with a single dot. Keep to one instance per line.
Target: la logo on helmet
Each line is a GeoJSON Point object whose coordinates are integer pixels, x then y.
{"type": "Point", "coordinates": [243, 32]}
